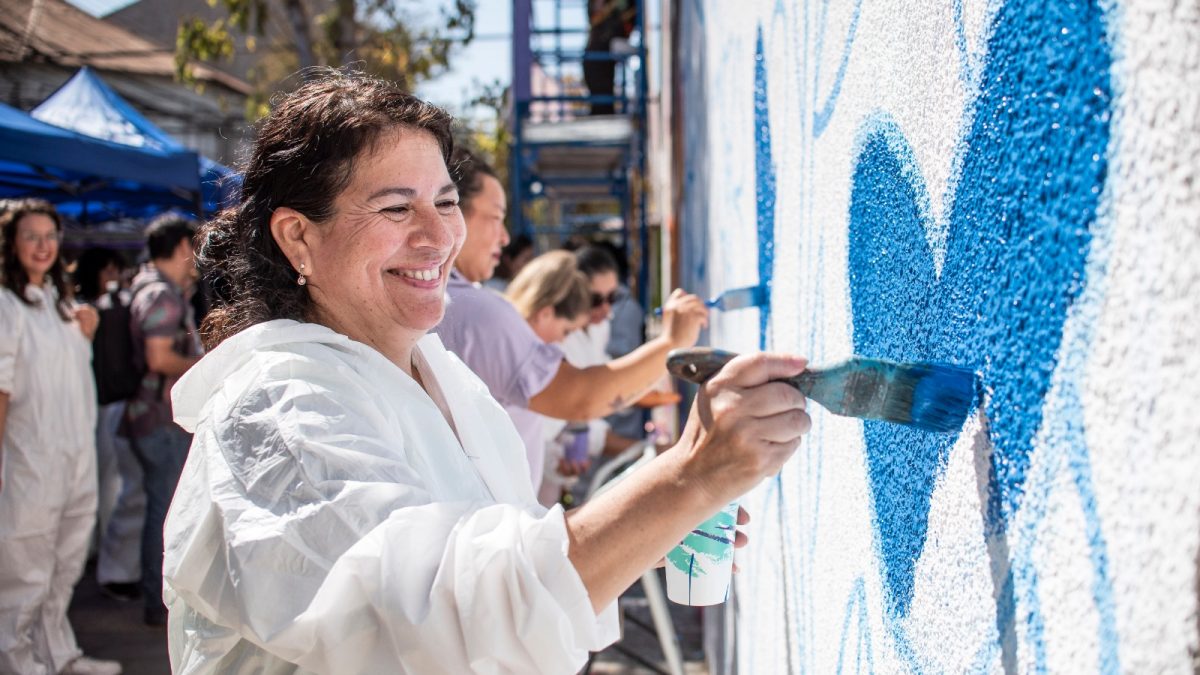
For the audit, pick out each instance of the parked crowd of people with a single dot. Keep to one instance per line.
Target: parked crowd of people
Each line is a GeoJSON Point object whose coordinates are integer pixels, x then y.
{"type": "Point", "coordinates": [349, 480]}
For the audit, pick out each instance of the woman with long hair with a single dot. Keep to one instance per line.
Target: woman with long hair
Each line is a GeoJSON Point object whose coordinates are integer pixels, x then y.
{"type": "Point", "coordinates": [47, 446]}
{"type": "Point", "coordinates": [355, 501]}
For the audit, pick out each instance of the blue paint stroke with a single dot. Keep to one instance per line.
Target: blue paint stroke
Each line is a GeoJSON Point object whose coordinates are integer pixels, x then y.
{"type": "Point", "coordinates": [891, 270]}
{"type": "Point", "coordinates": [1020, 230]}
{"type": "Point", "coordinates": [857, 599]}
{"type": "Point", "coordinates": [764, 188]}
{"type": "Point", "coordinates": [824, 112]}
{"type": "Point", "coordinates": [691, 576]}
{"type": "Point", "coordinates": [960, 40]}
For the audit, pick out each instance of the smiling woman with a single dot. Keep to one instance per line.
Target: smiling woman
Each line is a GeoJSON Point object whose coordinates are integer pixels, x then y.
{"type": "Point", "coordinates": [47, 446]}
{"type": "Point", "coordinates": [376, 269]}
{"type": "Point", "coordinates": [355, 501]}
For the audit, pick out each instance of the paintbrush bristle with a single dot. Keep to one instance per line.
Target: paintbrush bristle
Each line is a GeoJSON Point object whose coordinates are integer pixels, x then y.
{"type": "Point", "coordinates": [739, 298]}
{"type": "Point", "coordinates": [930, 396]}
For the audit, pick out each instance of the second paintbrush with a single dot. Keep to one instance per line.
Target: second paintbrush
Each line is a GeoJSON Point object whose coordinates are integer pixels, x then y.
{"type": "Point", "coordinates": [734, 298]}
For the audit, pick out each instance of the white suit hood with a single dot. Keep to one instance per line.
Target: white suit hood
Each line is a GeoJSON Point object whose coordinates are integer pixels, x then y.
{"type": "Point", "coordinates": [329, 521]}
{"type": "Point", "coordinates": [197, 386]}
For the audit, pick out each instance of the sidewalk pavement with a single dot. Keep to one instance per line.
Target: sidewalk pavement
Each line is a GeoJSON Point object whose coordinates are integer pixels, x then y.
{"type": "Point", "coordinates": [112, 629]}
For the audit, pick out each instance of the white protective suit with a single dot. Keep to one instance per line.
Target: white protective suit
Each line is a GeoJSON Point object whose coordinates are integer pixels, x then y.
{"type": "Point", "coordinates": [48, 494]}
{"type": "Point", "coordinates": [329, 521]}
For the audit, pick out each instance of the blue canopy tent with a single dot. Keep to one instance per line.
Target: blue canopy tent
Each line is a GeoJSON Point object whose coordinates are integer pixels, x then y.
{"type": "Point", "coordinates": [85, 175]}
{"type": "Point", "coordinates": [86, 104]}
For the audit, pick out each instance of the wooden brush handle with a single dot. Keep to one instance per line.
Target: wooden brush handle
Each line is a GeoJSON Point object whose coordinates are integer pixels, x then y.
{"type": "Point", "coordinates": [699, 364]}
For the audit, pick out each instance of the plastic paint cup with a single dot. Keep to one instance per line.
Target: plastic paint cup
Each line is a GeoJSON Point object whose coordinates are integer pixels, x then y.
{"type": "Point", "coordinates": [700, 567]}
{"type": "Point", "coordinates": [577, 449]}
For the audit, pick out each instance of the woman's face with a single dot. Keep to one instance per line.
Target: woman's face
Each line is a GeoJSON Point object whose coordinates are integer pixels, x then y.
{"type": "Point", "coordinates": [603, 286]}
{"type": "Point", "coordinates": [553, 329]}
{"type": "Point", "coordinates": [109, 274]}
{"type": "Point", "coordinates": [379, 267]}
{"type": "Point", "coordinates": [37, 245]}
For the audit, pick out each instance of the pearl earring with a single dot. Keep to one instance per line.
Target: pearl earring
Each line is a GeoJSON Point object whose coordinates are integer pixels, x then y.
{"type": "Point", "coordinates": [301, 280]}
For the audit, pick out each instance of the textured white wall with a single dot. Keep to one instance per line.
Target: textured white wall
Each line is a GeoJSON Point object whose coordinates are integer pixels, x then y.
{"type": "Point", "coordinates": [1092, 563]}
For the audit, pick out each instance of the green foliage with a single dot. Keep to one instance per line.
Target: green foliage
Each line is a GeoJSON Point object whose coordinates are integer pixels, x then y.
{"type": "Point", "coordinates": [393, 39]}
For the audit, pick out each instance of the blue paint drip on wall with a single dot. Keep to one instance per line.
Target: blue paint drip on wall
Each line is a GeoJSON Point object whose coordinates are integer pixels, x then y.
{"type": "Point", "coordinates": [823, 114]}
{"type": "Point", "coordinates": [857, 600]}
{"type": "Point", "coordinates": [764, 188]}
{"type": "Point", "coordinates": [1019, 236]}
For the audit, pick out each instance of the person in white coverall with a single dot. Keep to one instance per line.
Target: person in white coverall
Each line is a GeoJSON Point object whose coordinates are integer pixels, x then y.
{"type": "Point", "coordinates": [47, 447]}
{"type": "Point", "coordinates": [354, 500]}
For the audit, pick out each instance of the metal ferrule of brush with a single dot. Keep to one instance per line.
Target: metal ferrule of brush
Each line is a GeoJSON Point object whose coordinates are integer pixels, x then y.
{"type": "Point", "coordinates": [854, 388]}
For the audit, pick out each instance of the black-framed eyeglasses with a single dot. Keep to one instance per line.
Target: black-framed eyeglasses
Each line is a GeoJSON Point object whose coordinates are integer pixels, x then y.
{"type": "Point", "coordinates": [598, 299]}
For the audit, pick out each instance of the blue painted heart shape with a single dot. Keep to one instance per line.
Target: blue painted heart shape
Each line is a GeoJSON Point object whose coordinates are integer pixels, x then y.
{"type": "Point", "coordinates": [1019, 231]}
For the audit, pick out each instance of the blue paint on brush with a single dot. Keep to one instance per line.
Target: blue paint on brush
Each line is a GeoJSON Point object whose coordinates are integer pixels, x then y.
{"type": "Point", "coordinates": [764, 189]}
{"type": "Point", "coordinates": [932, 392]}
{"type": "Point", "coordinates": [1019, 234]}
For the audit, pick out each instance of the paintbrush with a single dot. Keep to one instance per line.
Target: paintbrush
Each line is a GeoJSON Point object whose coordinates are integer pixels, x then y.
{"type": "Point", "coordinates": [929, 396]}
{"type": "Point", "coordinates": [734, 298]}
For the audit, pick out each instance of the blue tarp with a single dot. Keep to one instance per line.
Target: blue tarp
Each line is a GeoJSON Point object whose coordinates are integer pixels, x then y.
{"type": "Point", "coordinates": [86, 104]}
{"type": "Point", "coordinates": [43, 160]}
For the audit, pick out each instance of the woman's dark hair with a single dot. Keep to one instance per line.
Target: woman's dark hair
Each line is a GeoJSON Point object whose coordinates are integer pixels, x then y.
{"type": "Point", "coordinates": [513, 250]}
{"type": "Point", "coordinates": [87, 271]}
{"type": "Point", "coordinates": [303, 158]}
{"type": "Point", "coordinates": [468, 169]}
{"type": "Point", "coordinates": [593, 260]}
{"type": "Point", "coordinates": [12, 273]}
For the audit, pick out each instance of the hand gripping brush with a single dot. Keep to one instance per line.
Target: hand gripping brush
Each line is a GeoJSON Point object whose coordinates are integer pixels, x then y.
{"type": "Point", "coordinates": [929, 396]}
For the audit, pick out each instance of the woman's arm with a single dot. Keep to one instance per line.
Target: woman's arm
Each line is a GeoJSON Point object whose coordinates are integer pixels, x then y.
{"type": "Point", "coordinates": [588, 393]}
{"type": "Point", "coordinates": [742, 429]}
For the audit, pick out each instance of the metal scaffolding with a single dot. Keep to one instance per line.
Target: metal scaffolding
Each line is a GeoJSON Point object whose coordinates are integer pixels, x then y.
{"type": "Point", "coordinates": [575, 172]}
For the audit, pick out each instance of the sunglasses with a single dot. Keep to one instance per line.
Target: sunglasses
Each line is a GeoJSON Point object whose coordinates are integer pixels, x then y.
{"type": "Point", "coordinates": [609, 299]}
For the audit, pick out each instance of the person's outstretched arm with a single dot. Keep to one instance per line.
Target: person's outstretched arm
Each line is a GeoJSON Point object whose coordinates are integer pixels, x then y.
{"type": "Point", "coordinates": [742, 429]}
{"type": "Point", "coordinates": [588, 393]}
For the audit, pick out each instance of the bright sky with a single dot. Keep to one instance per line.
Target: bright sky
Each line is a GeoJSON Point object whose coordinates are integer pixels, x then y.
{"type": "Point", "coordinates": [488, 58]}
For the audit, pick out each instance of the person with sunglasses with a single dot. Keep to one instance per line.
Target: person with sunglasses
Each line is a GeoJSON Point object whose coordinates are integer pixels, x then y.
{"type": "Point", "coordinates": [520, 369]}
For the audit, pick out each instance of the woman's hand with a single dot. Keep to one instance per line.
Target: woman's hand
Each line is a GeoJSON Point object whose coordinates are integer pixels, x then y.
{"type": "Point", "coordinates": [744, 426]}
{"type": "Point", "coordinates": [88, 319]}
{"type": "Point", "coordinates": [571, 467]}
{"type": "Point", "coordinates": [684, 315]}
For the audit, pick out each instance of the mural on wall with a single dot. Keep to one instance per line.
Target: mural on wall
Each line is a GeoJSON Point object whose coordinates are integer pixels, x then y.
{"type": "Point", "coordinates": [972, 184]}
